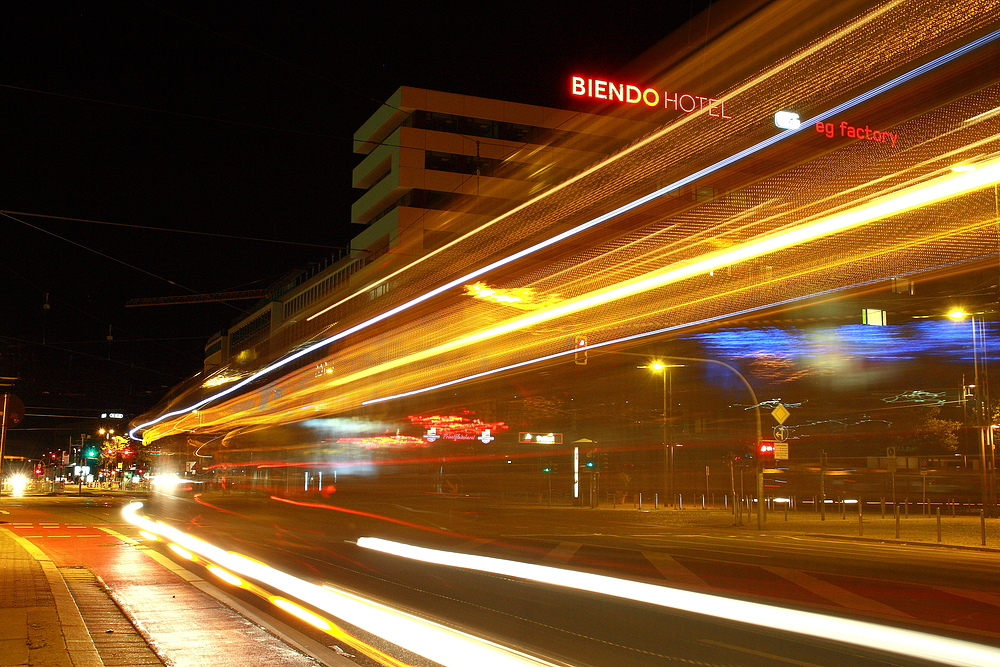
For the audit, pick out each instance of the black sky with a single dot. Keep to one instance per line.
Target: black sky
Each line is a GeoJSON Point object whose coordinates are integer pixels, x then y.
{"type": "Point", "coordinates": [227, 117]}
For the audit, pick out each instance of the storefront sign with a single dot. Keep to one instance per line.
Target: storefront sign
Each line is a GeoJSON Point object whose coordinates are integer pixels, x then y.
{"type": "Point", "coordinates": [845, 129]}
{"type": "Point", "coordinates": [627, 93]}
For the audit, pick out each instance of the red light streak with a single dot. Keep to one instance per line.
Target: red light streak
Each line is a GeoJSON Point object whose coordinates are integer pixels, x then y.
{"type": "Point", "coordinates": [370, 515]}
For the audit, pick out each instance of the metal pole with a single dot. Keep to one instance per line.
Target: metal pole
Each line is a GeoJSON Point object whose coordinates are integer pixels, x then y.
{"type": "Point", "coordinates": [3, 437]}
{"type": "Point", "coordinates": [822, 485]}
{"type": "Point", "coordinates": [666, 445]}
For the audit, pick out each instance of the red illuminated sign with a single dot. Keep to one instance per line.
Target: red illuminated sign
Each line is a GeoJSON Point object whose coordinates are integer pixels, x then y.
{"type": "Point", "coordinates": [627, 93]}
{"type": "Point", "coordinates": [457, 427]}
{"type": "Point", "coordinates": [848, 130]}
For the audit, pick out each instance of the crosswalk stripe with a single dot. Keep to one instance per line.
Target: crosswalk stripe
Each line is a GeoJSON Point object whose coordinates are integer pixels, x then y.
{"type": "Point", "coordinates": [562, 553]}
{"type": "Point", "coordinates": [674, 572]}
{"type": "Point", "coordinates": [834, 593]}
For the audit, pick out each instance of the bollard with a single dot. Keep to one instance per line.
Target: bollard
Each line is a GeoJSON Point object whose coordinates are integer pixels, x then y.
{"type": "Point", "coordinates": [861, 525]}
{"type": "Point", "coordinates": [953, 507]}
{"type": "Point", "coordinates": [895, 510]}
{"type": "Point", "coordinates": [939, 523]}
{"type": "Point", "coordinates": [883, 507]}
{"type": "Point", "coordinates": [703, 501]}
{"type": "Point", "coordinates": [640, 500]}
{"type": "Point", "coordinates": [680, 501]}
{"type": "Point", "coordinates": [982, 525]}
{"type": "Point", "coordinates": [843, 509]}
{"type": "Point", "coordinates": [656, 501]}
{"type": "Point", "coordinates": [907, 503]}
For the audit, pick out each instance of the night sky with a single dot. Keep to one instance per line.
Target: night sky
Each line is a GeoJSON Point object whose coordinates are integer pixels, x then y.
{"type": "Point", "coordinates": [225, 118]}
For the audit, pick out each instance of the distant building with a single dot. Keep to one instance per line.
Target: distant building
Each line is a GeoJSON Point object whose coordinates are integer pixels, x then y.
{"type": "Point", "coordinates": [435, 165]}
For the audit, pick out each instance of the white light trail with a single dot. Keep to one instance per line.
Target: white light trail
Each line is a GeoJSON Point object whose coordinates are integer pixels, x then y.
{"type": "Point", "coordinates": [469, 277]}
{"type": "Point", "coordinates": [444, 645]}
{"type": "Point", "coordinates": [943, 650]}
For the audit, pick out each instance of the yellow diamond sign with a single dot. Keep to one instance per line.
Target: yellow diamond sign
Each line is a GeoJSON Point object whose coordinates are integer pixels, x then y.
{"type": "Point", "coordinates": [780, 413]}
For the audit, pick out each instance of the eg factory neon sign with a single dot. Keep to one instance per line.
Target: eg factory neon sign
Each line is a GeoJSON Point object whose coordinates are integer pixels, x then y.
{"type": "Point", "coordinates": [627, 93]}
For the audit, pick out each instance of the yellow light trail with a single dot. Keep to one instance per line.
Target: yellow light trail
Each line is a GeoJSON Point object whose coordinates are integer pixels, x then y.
{"type": "Point", "coordinates": [441, 644]}
{"type": "Point", "coordinates": [933, 191]}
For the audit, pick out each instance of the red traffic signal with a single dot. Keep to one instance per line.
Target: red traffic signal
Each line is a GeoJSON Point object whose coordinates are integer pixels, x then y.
{"type": "Point", "coordinates": [765, 452]}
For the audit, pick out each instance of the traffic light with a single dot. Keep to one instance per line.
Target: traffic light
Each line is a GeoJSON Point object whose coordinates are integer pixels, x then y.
{"type": "Point", "coordinates": [580, 356]}
{"type": "Point", "coordinates": [546, 469]}
{"type": "Point", "coordinates": [765, 453]}
{"type": "Point", "coordinates": [90, 452]}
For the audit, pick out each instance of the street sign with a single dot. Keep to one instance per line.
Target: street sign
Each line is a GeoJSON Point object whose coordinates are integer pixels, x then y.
{"type": "Point", "coordinates": [541, 438]}
{"type": "Point", "coordinates": [12, 409]}
{"type": "Point", "coordinates": [781, 433]}
{"type": "Point", "coordinates": [780, 413]}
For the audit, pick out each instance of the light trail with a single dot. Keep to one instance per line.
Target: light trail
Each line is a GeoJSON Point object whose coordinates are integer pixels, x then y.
{"type": "Point", "coordinates": [636, 203]}
{"type": "Point", "coordinates": [933, 191]}
{"type": "Point", "coordinates": [444, 645]}
{"type": "Point", "coordinates": [943, 650]}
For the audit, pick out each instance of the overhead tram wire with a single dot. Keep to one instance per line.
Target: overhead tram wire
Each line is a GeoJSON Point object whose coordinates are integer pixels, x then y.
{"type": "Point", "coordinates": [106, 256]}
{"type": "Point", "coordinates": [736, 157]}
{"type": "Point", "coordinates": [175, 231]}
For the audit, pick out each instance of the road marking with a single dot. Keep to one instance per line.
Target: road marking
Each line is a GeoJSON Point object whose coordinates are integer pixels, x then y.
{"type": "Point", "coordinates": [978, 596]}
{"type": "Point", "coordinates": [562, 553]}
{"type": "Point", "coordinates": [841, 596]}
{"type": "Point", "coordinates": [674, 572]}
{"type": "Point", "coordinates": [769, 656]}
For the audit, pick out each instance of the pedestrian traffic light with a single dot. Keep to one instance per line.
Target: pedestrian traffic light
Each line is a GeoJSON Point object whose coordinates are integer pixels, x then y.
{"type": "Point", "coordinates": [580, 355]}
{"type": "Point", "coordinates": [765, 452]}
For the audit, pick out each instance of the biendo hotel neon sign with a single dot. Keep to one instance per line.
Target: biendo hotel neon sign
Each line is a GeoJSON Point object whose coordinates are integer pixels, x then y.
{"type": "Point", "coordinates": [626, 93]}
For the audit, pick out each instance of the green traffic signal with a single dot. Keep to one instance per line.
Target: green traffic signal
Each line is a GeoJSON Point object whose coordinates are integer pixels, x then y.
{"type": "Point", "coordinates": [546, 469]}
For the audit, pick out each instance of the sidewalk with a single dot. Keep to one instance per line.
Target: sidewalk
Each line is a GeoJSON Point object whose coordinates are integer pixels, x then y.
{"type": "Point", "coordinates": [40, 623]}
{"type": "Point", "coordinates": [156, 613]}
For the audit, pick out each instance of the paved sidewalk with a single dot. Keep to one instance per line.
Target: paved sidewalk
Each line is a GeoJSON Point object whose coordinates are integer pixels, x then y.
{"type": "Point", "coordinates": [40, 624]}
{"type": "Point", "coordinates": [67, 616]}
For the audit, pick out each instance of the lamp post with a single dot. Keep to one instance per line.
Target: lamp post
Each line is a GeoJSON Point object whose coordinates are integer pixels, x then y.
{"type": "Point", "coordinates": [666, 372]}
{"type": "Point", "coordinates": [982, 398]}
{"type": "Point", "coordinates": [756, 408]}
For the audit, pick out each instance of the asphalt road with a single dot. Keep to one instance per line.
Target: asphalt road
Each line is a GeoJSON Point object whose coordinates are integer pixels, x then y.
{"type": "Point", "coordinates": [942, 591]}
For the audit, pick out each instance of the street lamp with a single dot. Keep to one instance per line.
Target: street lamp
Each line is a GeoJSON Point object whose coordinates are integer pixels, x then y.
{"type": "Point", "coordinates": [982, 398]}
{"type": "Point", "coordinates": [667, 374]}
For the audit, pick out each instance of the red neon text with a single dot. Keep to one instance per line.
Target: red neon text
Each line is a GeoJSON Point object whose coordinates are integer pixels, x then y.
{"type": "Point", "coordinates": [846, 130]}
